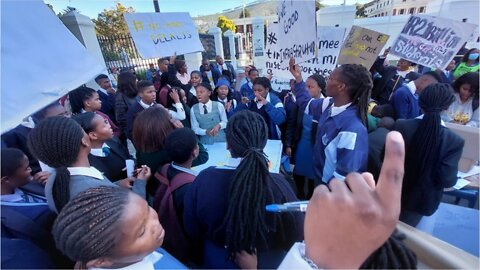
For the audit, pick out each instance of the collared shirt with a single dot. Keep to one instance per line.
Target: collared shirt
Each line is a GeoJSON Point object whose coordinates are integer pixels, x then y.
{"type": "Point", "coordinates": [103, 91]}
{"type": "Point", "coordinates": [179, 114]}
{"type": "Point", "coordinates": [412, 87]}
{"type": "Point", "coordinates": [421, 117]}
{"type": "Point", "coordinates": [99, 151]}
{"type": "Point", "coordinates": [21, 197]}
{"type": "Point", "coordinates": [147, 263]}
{"type": "Point", "coordinates": [183, 169]}
{"type": "Point", "coordinates": [196, 126]}
{"type": "Point", "coordinates": [193, 91]}
{"type": "Point", "coordinates": [145, 105]}
{"type": "Point", "coordinates": [86, 171]}
{"type": "Point", "coordinates": [29, 123]}
{"type": "Point", "coordinates": [183, 78]}
{"type": "Point", "coordinates": [340, 109]}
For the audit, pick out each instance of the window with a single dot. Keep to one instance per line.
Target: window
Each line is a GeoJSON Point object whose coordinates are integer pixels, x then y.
{"type": "Point", "coordinates": [402, 11]}
{"type": "Point", "coordinates": [411, 11]}
{"type": "Point", "coordinates": [421, 10]}
{"type": "Point", "coordinates": [394, 12]}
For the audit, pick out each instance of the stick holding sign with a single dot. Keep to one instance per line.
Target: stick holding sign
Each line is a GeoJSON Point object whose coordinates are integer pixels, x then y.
{"type": "Point", "coordinates": [163, 34]}
{"type": "Point", "coordinates": [362, 46]}
{"type": "Point", "coordinates": [431, 41]}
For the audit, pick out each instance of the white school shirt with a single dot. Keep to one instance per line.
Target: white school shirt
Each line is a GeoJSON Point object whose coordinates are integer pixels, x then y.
{"type": "Point", "coordinates": [147, 263]}
{"type": "Point", "coordinates": [98, 152]}
{"type": "Point", "coordinates": [295, 258]}
{"type": "Point", "coordinates": [179, 114]}
{"type": "Point", "coordinates": [145, 105]}
{"type": "Point", "coordinates": [196, 127]}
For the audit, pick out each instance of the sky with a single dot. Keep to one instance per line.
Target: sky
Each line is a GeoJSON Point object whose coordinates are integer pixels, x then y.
{"type": "Point", "coordinates": [92, 8]}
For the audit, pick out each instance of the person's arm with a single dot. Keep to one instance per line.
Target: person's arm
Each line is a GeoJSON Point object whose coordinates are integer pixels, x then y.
{"type": "Point", "coordinates": [179, 114]}
{"type": "Point", "coordinates": [400, 104]}
{"type": "Point", "coordinates": [202, 157]}
{"type": "Point", "coordinates": [448, 168]}
{"type": "Point", "coordinates": [223, 116]}
{"type": "Point", "coordinates": [301, 93]}
{"type": "Point", "coordinates": [194, 123]}
{"type": "Point", "coordinates": [475, 120]}
{"type": "Point", "coordinates": [276, 112]}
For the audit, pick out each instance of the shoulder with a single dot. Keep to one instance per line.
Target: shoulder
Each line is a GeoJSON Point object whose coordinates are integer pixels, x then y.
{"type": "Point", "coordinates": [404, 124]}
{"type": "Point", "coordinates": [453, 139]}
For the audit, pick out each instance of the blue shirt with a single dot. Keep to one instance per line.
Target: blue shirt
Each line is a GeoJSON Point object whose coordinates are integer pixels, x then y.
{"type": "Point", "coordinates": [405, 103]}
{"type": "Point", "coordinates": [341, 144]}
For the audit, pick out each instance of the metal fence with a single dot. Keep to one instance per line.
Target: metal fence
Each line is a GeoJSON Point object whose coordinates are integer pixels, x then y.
{"type": "Point", "coordinates": [120, 52]}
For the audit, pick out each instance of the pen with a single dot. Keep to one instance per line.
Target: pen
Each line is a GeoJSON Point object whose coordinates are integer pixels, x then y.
{"type": "Point", "coordinates": [288, 207]}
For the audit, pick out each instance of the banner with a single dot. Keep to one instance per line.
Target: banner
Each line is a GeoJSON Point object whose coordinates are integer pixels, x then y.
{"type": "Point", "coordinates": [362, 46]}
{"type": "Point", "coordinates": [297, 35]}
{"type": "Point", "coordinates": [41, 60]}
{"type": "Point", "coordinates": [329, 42]}
{"type": "Point", "coordinates": [431, 41]}
{"type": "Point", "coordinates": [163, 34]}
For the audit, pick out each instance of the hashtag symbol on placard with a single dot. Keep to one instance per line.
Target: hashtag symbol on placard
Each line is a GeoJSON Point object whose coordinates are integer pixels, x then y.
{"type": "Point", "coordinates": [272, 39]}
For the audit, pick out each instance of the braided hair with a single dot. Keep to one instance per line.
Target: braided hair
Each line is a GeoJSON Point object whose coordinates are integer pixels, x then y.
{"type": "Point", "coordinates": [85, 120]}
{"type": "Point", "coordinates": [320, 80]}
{"type": "Point", "coordinates": [87, 227]}
{"type": "Point", "coordinates": [56, 142]}
{"type": "Point", "coordinates": [424, 146]}
{"type": "Point", "coordinates": [249, 190]}
{"type": "Point", "coordinates": [393, 254]}
{"type": "Point", "coordinates": [78, 96]}
{"type": "Point", "coordinates": [359, 83]}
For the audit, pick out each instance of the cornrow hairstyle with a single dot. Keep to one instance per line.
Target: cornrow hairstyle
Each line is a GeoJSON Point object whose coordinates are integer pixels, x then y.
{"type": "Point", "coordinates": [359, 84]}
{"type": "Point", "coordinates": [245, 219]}
{"type": "Point", "coordinates": [87, 227]}
{"type": "Point", "coordinates": [127, 84]}
{"type": "Point", "coordinates": [141, 85]}
{"type": "Point", "coordinates": [263, 82]}
{"type": "Point", "coordinates": [471, 78]}
{"type": "Point", "coordinates": [425, 146]}
{"type": "Point", "coordinates": [393, 254]}
{"type": "Point", "coordinates": [56, 142]}
{"type": "Point", "coordinates": [180, 144]}
{"type": "Point", "coordinates": [321, 82]}
{"type": "Point", "coordinates": [85, 121]}
{"type": "Point", "coordinates": [12, 159]}
{"type": "Point", "coordinates": [78, 96]}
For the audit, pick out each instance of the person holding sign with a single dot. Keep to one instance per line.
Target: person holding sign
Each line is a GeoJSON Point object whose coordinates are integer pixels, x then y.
{"type": "Point", "coordinates": [208, 118]}
{"type": "Point", "coordinates": [341, 144]}
{"type": "Point", "coordinates": [470, 63]}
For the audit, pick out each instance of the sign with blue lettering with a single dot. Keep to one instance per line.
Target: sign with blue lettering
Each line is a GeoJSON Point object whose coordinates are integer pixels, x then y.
{"type": "Point", "coordinates": [431, 41]}
{"type": "Point", "coordinates": [163, 34]}
{"type": "Point", "coordinates": [297, 31]}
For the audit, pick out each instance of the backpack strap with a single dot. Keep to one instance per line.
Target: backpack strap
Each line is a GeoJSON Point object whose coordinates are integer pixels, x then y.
{"type": "Point", "coordinates": [161, 175]}
{"type": "Point", "coordinates": [394, 88]}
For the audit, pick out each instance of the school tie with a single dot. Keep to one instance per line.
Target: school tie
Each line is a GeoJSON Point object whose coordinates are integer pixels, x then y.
{"type": "Point", "coordinates": [205, 109]}
{"type": "Point", "coordinates": [106, 151]}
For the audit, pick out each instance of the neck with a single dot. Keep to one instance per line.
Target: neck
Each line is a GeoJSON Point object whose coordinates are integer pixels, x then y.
{"type": "Point", "coordinates": [82, 161]}
{"type": "Point", "coordinates": [340, 101]}
{"type": "Point", "coordinates": [96, 144]}
{"type": "Point", "coordinates": [88, 109]}
{"type": "Point", "coordinates": [187, 165]}
{"type": "Point", "coordinates": [7, 190]}
{"type": "Point", "coordinates": [148, 103]}
{"type": "Point", "coordinates": [471, 62]}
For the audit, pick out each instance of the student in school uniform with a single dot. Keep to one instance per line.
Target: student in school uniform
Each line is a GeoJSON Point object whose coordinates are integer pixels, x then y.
{"type": "Point", "coordinates": [341, 143]}
{"type": "Point", "coordinates": [176, 107]}
{"type": "Point", "coordinates": [175, 179]}
{"type": "Point", "coordinates": [147, 94]}
{"type": "Point", "coordinates": [84, 99]}
{"type": "Point", "coordinates": [107, 154]}
{"type": "Point", "coordinates": [268, 105]}
{"type": "Point", "coordinates": [246, 90]}
{"type": "Point", "coordinates": [224, 94]}
{"type": "Point", "coordinates": [129, 235]}
{"type": "Point", "coordinates": [208, 118]}
{"type": "Point", "coordinates": [225, 206]}
{"type": "Point", "coordinates": [62, 144]}
{"type": "Point", "coordinates": [195, 80]}
{"type": "Point", "coordinates": [106, 94]}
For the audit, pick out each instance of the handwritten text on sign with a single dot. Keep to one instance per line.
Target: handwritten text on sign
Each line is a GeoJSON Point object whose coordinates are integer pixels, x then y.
{"type": "Point", "coordinates": [362, 46]}
{"type": "Point", "coordinates": [329, 42]}
{"type": "Point", "coordinates": [296, 34]}
{"type": "Point", "coordinates": [163, 34]}
{"type": "Point", "coordinates": [431, 41]}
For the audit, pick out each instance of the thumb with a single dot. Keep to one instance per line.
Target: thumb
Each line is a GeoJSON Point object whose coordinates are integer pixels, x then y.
{"type": "Point", "coordinates": [389, 186]}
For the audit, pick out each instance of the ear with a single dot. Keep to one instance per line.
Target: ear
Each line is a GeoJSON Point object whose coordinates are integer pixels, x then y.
{"type": "Point", "coordinates": [93, 136]}
{"type": "Point", "coordinates": [196, 152]}
{"type": "Point", "coordinates": [99, 263]}
{"type": "Point", "coordinates": [85, 141]}
{"type": "Point", "coordinates": [4, 179]}
{"type": "Point", "coordinates": [86, 103]}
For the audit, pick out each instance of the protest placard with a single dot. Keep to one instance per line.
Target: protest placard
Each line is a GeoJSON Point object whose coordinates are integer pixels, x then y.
{"type": "Point", "coordinates": [329, 42]}
{"type": "Point", "coordinates": [431, 41]}
{"type": "Point", "coordinates": [163, 34]}
{"type": "Point", "coordinates": [296, 34]}
{"type": "Point", "coordinates": [361, 46]}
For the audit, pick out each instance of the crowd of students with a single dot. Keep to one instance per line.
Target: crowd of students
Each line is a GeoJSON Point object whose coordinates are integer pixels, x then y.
{"type": "Point", "coordinates": [330, 128]}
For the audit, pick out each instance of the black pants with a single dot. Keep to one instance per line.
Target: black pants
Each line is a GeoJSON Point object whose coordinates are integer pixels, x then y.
{"type": "Point", "coordinates": [300, 185]}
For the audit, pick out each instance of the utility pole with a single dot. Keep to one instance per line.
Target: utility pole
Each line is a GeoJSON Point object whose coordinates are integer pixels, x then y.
{"type": "Point", "coordinates": [155, 5]}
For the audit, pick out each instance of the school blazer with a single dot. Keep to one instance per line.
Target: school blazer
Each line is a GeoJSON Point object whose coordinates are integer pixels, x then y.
{"type": "Point", "coordinates": [423, 195]}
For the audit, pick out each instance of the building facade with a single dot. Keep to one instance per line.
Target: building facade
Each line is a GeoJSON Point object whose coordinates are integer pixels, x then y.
{"type": "Point", "coordinates": [383, 8]}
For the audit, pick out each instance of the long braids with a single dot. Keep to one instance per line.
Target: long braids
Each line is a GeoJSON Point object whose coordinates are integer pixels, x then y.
{"type": "Point", "coordinates": [78, 96]}
{"type": "Point", "coordinates": [245, 220]}
{"type": "Point", "coordinates": [359, 83]}
{"type": "Point", "coordinates": [87, 227]}
{"type": "Point", "coordinates": [56, 142]}
{"type": "Point", "coordinates": [424, 146]}
{"type": "Point", "coordinates": [393, 254]}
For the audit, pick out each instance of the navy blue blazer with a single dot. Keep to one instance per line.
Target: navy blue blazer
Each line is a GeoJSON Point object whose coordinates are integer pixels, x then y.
{"type": "Point", "coordinates": [130, 116]}
{"type": "Point", "coordinates": [108, 104]}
